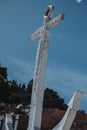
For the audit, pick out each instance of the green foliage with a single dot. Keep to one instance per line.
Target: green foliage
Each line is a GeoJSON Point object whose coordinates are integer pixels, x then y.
{"type": "Point", "coordinates": [3, 72]}
{"type": "Point", "coordinates": [14, 93]}
{"type": "Point", "coordinates": [53, 100]}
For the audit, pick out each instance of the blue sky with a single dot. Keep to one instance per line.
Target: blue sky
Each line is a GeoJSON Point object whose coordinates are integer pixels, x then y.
{"type": "Point", "coordinates": [67, 54]}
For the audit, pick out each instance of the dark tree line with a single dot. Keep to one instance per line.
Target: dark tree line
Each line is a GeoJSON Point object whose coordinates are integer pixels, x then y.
{"type": "Point", "coordinates": [13, 93]}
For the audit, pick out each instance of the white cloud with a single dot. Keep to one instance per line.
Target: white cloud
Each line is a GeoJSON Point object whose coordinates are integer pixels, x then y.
{"type": "Point", "coordinates": [78, 1]}
{"type": "Point", "coordinates": [20, 70]}
{"type": "Point", "coordinates": [67, 77]}
{"type": "Point", "coordinates": [66, 82]}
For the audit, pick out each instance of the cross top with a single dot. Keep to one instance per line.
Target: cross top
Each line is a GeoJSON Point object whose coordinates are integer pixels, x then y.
{"type": "Point", "coordinates": [48, 22]}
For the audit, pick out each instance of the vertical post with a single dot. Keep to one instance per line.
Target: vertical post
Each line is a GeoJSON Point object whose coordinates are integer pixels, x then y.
{"type": "Point", "coordinates": [38, 82]}
{"type": "Point", "coordinates": [1, 121]}
{"type": "Point", "coordinates": [15, 121]}
{"type": "Point", "coordinates": [8, 123]}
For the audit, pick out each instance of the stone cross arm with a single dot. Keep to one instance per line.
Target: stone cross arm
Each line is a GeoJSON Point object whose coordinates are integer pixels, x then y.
{"type": "Point", "coordinates": [48, 26]}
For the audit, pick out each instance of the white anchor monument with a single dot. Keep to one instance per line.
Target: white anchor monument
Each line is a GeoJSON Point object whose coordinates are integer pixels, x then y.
{"type": "Point", "coordinates": [40, 67]}
{"type": "Point", "coordinates": [35, 114]}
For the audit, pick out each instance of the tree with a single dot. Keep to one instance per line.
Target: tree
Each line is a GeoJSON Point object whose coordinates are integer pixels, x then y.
{"type": "Point", "coordinates": [14, 87]}
{"type": "Point", "coordinates": [14, 93]}
{"type": "Point", "coordinates": [3, 72]}
{"type": "Point", "coordinates": [53, 100]}
{"type": "Point", "coordinates": [15, 98]}
{"type": "Point", "coordinates": [29, 86]}
{"type": "Point", "coordinates": [29, 91]}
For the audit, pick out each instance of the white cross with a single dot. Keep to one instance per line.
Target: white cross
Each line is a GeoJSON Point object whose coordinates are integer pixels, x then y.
{"type": "Point", "coordinates": [40, 67]}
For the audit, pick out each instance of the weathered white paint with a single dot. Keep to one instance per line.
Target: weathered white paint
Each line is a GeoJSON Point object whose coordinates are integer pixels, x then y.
{"type": "Point", "coordinates": [39, 73]}
{"type": "Point", "coordinates": [74, 104]}
{"type": "Point", "coordinates": [49, 25]}
{"type": "Point", "coordinates": [38, 84]}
